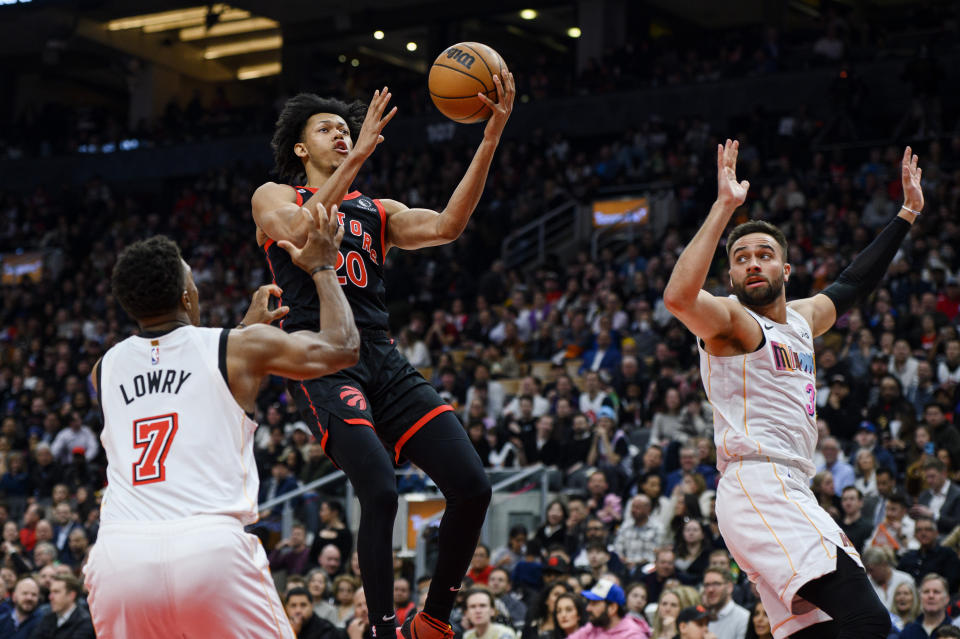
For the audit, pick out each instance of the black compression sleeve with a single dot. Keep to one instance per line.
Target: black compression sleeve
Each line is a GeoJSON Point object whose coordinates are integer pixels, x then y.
{"type": "Point", "coordinates": [866, 270]}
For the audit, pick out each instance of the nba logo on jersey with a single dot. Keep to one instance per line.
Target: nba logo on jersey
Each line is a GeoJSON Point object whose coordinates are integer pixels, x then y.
{"type": "Point", "coordinates": [154, 352]}
{"type": "Point", "coordinates": [366, 203]}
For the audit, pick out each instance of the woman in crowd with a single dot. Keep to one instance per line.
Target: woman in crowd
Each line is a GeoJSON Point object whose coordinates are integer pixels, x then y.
{"type": "Point", "coordinates": [906, 605]}
{"type": "Point", "coordinates": [672, 601]}
{"type": "Point", "coordinates": [637, 600]}
{"type": "Point", "coordinates": [693, 549]}
{"type": "Point", "coordinates": [344, 588]}
{"type": "Point", "coordinates": [569, 615]}
{"type": "Point", "coordinates": [822, 487]}
{"type": "Point", "coordinates": [553, 532]}
{"type": "Point", "coordinates": [541, 624]}
{"type": "Point", "coordinates": [317, 585]}
{"type": "Point", "coordinates": [759, 626]}
{"type": "Point", "coordinates": [865, 466]}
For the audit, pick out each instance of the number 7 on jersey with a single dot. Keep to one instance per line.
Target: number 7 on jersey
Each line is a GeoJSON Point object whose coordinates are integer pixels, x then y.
{"type": "Point", "coordinates": [153, 435]}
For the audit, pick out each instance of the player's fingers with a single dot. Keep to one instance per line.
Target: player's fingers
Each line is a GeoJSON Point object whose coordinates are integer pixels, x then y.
{"type": "Point", "coordinates": [745, 184]}
{"type": "Point", "coordinates": [719, 156]}
{"type": "Point", "coordinates": [913, 164]}
{"type": "Point", "coordinates": [379, 139]}
{"type": "Point", "coordinates": [319, 214]}
{"type": "Point", "coordinates": [490, 103]}
{"type": "Point", "coordinates": [271, 289]}
{"type": "Point", "coordinates": [279, 312]}
{"type": "Point", "coordinates": [906, 154]}
{"type": "Point", "coordinates": [289, 248]}
{"type": "Point", "coordinates": [388, 117]}
{"type": "Point", "coordinates": [498, 84]}
{"type": "Point", "coordinates": [339, 236]}
{"type": "Point", "coordinates": [919, 173]}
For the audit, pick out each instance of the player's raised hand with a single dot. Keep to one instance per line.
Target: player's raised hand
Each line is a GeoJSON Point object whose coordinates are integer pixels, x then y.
{"type": "Point", "coordinates": [729, 191]}
{"type": "Point", "coordinates": [259, 311]}
{"type": "Point", "coordinates": [371, 131]}
{"type": "Point", "coordinates": [323, 241]}
{"type": "Point", "coordinates": [911, 174]}
{"type": "Point", "coordinates": [502, 108]}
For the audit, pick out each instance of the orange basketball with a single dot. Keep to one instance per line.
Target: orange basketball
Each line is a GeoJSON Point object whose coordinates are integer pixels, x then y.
{"type": "Point", "coordinates": [458, 74]}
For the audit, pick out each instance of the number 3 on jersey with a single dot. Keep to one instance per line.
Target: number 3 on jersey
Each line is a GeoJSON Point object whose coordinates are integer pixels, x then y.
{"type": "Point", "coordinates": [153, 435]}
{"type": "Point", "coordinates": [356, 269]}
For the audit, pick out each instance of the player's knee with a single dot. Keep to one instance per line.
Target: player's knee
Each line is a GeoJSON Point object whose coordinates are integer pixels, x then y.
{"type": "Point", "coordinates": [478, 491]}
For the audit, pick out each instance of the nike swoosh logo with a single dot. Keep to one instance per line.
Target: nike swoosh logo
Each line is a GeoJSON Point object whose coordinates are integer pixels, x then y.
{"type": "Point", "coordinates": [767, 326]}
{"type": "Point", "coordinates": [390, 618]}
{"type": "Point", "coordinates": [457, 589]}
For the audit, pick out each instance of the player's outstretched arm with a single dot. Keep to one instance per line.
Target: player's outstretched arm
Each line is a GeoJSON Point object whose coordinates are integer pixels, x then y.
{"type": "Point", "coordinates": [417, 228]}
{"type": "Point", "coordinates": [866, 270]}
{"type": "Point", "coordinates": [707, 316]}
{"type": "Point", "coordinates": [274, 205]}
{"type": "Point", "coordinates": [261, 349]}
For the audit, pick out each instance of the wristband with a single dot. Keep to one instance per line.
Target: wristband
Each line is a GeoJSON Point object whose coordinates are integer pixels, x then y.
{"type": "Point", "coordinates": [906, 208]}
{"type": "Point", "coordinates": [325, 267]}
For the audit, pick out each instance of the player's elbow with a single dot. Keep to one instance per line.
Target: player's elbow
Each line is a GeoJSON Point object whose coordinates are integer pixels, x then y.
{"type": "Point", "coordinates": [674, 300]}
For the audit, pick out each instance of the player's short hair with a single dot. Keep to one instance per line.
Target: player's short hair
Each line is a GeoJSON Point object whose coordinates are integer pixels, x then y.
{"type": "Point", "coordinates": [757, 226]}
{"type": "Point", "coordinates": [71, 583]}
{"type": "Point", "coordinates": [148, 277]}
{"type": "Point", "coordinates": [293, 118]}
{"type": "Point", "coordinates": [298, 591]}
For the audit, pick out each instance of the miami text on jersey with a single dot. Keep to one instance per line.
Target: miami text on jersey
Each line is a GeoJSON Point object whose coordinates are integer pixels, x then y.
{"type": "Point", "coordinates": [785, 359]}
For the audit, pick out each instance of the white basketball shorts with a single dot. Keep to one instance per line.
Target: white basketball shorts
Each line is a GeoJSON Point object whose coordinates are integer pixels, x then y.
{"type": "Point", "coordinates": [201, 577]}
{"type": "Point", "coordinates": [779, 534]}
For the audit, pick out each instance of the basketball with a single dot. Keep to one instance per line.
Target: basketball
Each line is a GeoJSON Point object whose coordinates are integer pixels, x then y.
{"type": "Point", "coordinates": [458, 74]}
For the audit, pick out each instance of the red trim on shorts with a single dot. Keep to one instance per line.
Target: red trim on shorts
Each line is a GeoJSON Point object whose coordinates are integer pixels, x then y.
{"type": "Point", "coordinates": [420, 423]}
{"type": "Point", "coordinates": [359, 421]}
{"type": "Point", "coordinates": [352, 195]}
{"type": "Point", "coordinates": [383, 230]}
{"type": "Point", "coordinates": [323, 440]}
{"type": "Point", "coordinates": [266, 252]}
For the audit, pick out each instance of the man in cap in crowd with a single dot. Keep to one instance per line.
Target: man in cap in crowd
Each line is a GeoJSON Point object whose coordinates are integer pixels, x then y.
{"type": "Point", "coordinates": [692, 624]}
{"type": "Point", "coordinates": [607, 615]}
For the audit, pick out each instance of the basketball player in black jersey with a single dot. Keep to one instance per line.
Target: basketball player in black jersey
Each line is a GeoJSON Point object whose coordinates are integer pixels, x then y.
{"type": "Point", "coordinates": [367, 416]}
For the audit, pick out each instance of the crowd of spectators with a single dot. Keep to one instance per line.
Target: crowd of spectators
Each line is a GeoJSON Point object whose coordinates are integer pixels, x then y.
{"type": "Point", "coordinates": [574, 363]}
{"type": "Point", "coordinates": [652, 57]}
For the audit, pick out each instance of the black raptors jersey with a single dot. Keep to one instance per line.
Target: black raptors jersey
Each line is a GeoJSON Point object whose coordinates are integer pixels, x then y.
{"type": "Point", "coordinates": [359, 267]}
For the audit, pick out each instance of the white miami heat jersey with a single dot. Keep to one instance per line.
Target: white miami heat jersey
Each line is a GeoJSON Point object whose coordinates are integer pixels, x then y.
{"type": "Point", "coordinates": [177, 442]}
{"type": "Point", "coordinates": [764, 403]}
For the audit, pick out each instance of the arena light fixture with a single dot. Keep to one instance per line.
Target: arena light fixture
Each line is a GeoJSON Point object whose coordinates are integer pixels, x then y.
{"type": "Point", "coordinates": [378, 35]}
{"type": "Point", "coordinates": [244, 46]}
{"type": "Point", "coordinates": [232, 14]}
{"type": "Point", "coordinates": [354, 63]}
{"type": "Point", "coordinates": [228, 28]}
{"type": "Point", "coordinates": [411, 46]}
{"type": "Point", "coordinates": [574, 32]}
{"type": "Point", "coordinates": [528, 14]}
{"type": "Point", "coordinates": [175, 19]}
{"type": "Point", "coordinates": [259, 71]}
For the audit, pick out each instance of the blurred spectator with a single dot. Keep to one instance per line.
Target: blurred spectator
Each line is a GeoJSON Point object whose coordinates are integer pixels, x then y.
{"type": "Point", "coordinates": [24, 618]}
{"type": "Point", "coordinates": [292, 555]}
{"type": "Point", "coordinates": [480, 610]}
{"type": "Point", "coordinates": [930, 557]}
{"type": "Point", "coordinates": [66, 618]}
{"type": "Point", "coordinates": [727, 619]}
{"type": "Point", "coordinates": [934, 598]}
{"type": "Point", "coordinates": [884, 578]}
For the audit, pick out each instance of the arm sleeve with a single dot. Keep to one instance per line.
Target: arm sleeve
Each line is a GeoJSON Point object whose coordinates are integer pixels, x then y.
{"type": "Point", "coordinates": [866, 270]}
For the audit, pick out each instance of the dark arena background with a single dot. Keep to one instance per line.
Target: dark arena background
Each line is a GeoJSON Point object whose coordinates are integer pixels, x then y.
{"type": "Point", "coordinates": [544, 324]}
